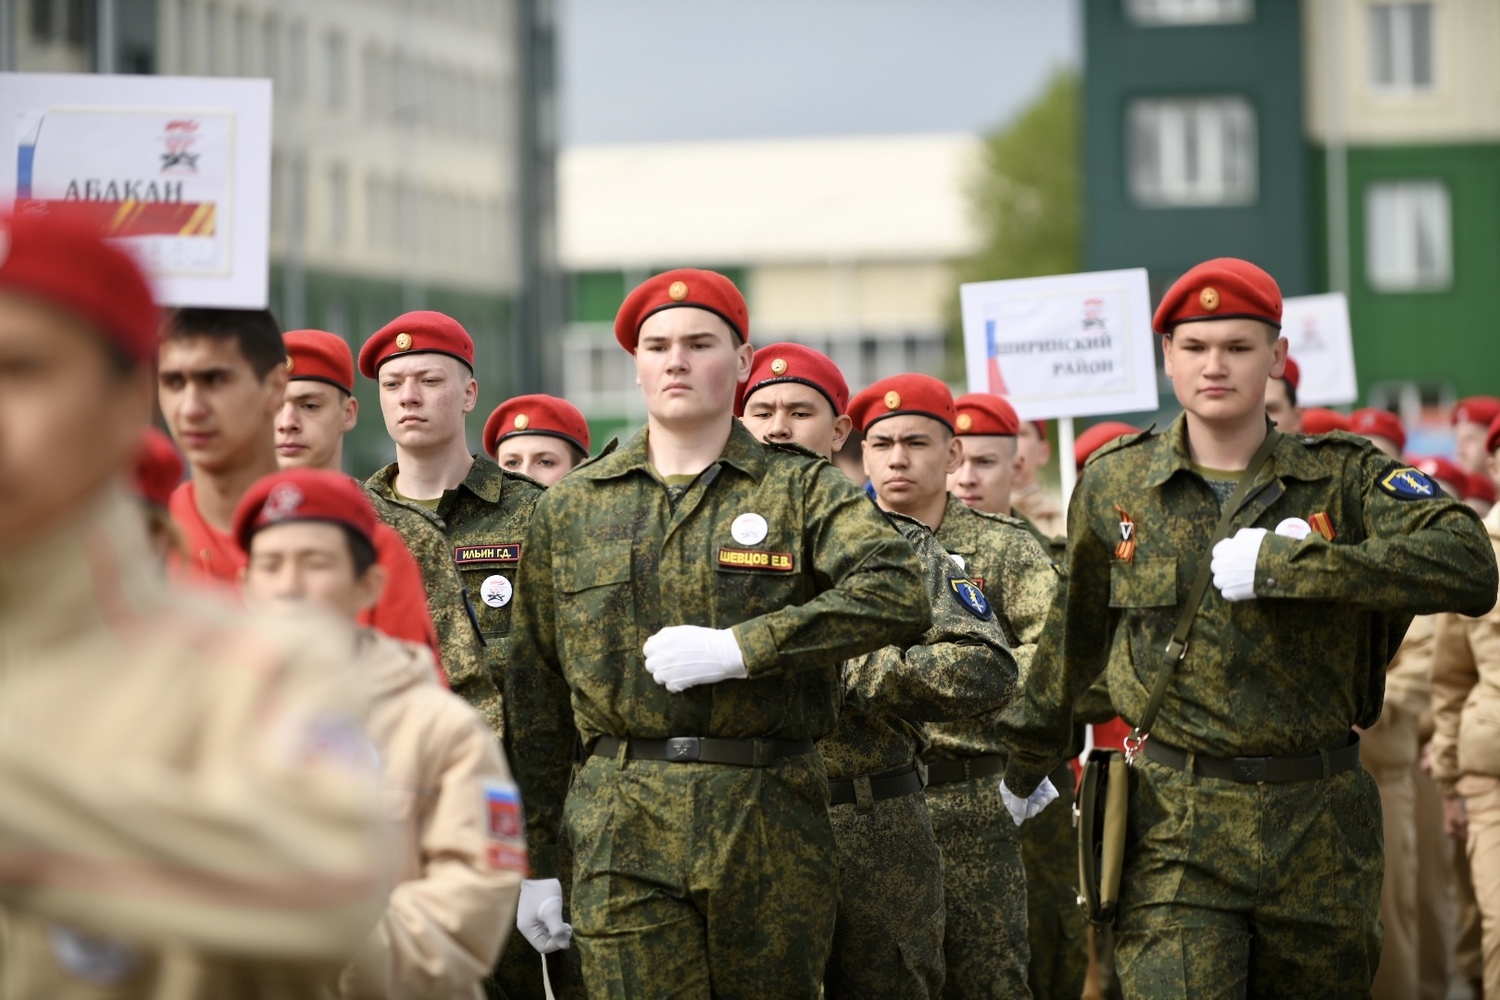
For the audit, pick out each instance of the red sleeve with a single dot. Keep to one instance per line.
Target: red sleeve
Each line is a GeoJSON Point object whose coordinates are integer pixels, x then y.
{"type": "Point", "coordinates": [402, 611]}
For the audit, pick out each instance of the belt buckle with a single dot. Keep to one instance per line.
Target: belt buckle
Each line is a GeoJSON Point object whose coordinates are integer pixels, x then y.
{"type": "Point", "coordinates": [1251, 769]}
{"type": "Point", "coordinates": [683, 749]}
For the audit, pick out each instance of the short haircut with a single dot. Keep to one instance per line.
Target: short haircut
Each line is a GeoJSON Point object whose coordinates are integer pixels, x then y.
{"type": "Point", "coordinates": [254, 331]}
{"type": "Point", "coordinates": [361, 550]}
{"type": "Point", "coordinates": [1291, 390]}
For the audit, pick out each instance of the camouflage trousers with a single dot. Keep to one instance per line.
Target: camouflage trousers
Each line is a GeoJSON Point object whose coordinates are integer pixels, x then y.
{"type": "Point", "coordinates": [888, 939]}
{"type": "Point", "coordinates": [984, 941]}
{"type": "Point", "coordinates": [1238, 890]}
{"type": "Point", "coordinates": [1054, 920]}
{"type": "Point", "coordinates": [697, 880]}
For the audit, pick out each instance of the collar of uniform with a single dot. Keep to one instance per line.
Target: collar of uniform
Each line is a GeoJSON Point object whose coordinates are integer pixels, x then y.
{"type": "Point", "coordinates": [1290, 459]}
{"type": "Point", "coordinates": [383, 481]}
{"type": "Point", "coordinates": [742, 451]}
{"type": "Point", "coordinates": [485, 480]}
{"type": "Point", "coordinates": [952, 531]}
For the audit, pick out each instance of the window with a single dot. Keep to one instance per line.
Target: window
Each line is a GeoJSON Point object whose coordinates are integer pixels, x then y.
{"type": "Point", "coordinates": [43, 24]}
{"type": "Point", "coordinates": [1408, 236]}
{"type": "Point", "coordinates": [1401, 46]}
{"type": "Point", "coordinates": [185, 41]}
{"type": "Point", "coordinates": [1192, 151]}
{"type": "Point", "coordinates": [241, 41]}
{"type": "Point", "coordinates": [270, 46]}
{"type": "Point", "coordinates": [296, 61]}
{"type": "Point", "coordinates": [1161, 13]}
{"type": "Point", "coordinates": [211, 39]}
{"type": "Point", "coordinates": [333, 70]}
{"type": "Point", "coordinates": [338, 205]}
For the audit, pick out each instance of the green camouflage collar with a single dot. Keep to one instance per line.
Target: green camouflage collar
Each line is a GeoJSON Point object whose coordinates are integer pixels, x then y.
{"type": "Point", "coordinates": [742, 451]}
{"type": "Point", "coordinates": [1169, 455]}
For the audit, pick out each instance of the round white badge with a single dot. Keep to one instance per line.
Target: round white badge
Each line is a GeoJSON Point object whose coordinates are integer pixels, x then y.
{"type": "Point", "coordinates": [958, 561]}
{"type": "Point", "coordinates": [749, 529]}
{"type": "Point", "coordinates": [496, 591]}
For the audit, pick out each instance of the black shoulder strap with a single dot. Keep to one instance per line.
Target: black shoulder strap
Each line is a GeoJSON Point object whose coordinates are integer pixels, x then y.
{"type": "Point", "coordinates": [1177, 648]}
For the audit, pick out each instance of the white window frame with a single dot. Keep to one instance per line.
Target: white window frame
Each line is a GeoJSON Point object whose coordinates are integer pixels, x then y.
{"type": "Point", "coordinates": [1180, 13]}
{"type": "Point", "coordinates": [1409, 235]}
{"type": "Point", "coordinates": [1187, 152]}
{"type": "Point", "coordinates": [1393, 26]}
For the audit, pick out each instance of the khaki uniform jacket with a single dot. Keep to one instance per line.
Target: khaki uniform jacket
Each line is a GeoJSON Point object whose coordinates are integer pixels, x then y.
{"type": "Point", "coordinates": [456, 819]}
{"type": "Point", "coordinates": [1466, 690]}
{"type": "Point", "coordinates": [188, 804]}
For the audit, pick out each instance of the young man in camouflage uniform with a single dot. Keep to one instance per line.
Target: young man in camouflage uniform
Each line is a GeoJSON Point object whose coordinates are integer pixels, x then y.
{"type": "Point", "coordinates": [888, 941]}
{"type": "Point", "coordinates": [1253, 854]}
{"type": "Point", "coordinates": [909, 448]}
{"type": "Point", "coordinates": [686, 603]}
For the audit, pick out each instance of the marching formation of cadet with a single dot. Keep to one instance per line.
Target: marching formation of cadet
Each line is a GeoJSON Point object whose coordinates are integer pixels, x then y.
{"type": "Point", "coordinates": [717, 722]}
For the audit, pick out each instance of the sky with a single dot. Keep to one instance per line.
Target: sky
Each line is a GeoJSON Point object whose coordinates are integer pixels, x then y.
{"type": "Point", "coordinates": [660, 70]}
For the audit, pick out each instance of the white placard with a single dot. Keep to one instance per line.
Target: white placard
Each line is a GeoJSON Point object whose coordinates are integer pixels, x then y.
{"type": "Point", "coordinates": [1071, 345]}
{"type": "Point", "coordinates": [1317, 331]}
{"type": "Point", "coordinates": [177, 169]}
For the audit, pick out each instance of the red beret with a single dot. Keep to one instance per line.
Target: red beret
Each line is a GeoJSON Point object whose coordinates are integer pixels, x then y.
{"type": "Point", "coordinates": [1492, 439]}
{"type": "Point", "coordinates": [319, 355]}
{"type": "Point", "coordinates": [901, 394]}
{"type": "Point", "coordinates": [158, 468]}
{"type": "Point", "coordinates": [303, 495]}
{"type": "Point", "coordinates": [537, 414]}
{"type": "Point", "coordinates": [1480, 487]}
{"type": "Point", "coordinates": [1442, 468]}
{"type": "Point", "coordinates": [1041, 428]}
{"type": "Point", "coordinates": [795, 363]}
{"type": "Point", "coordinates": [1293, 375]}
{"type": "Point", "coordinates": [420, 332]}
{"type": "Point", "coordinates": [1477, 410]}
{"type": "Point", "coordinates": [68, 264]}
{"type": "Point", "coordinates": [685, 286]}
{"type": "Point", "coordinates": [1382, 422]}
{"type": "Point", "coordinates": [1222, 288]}
{"type": "Point", "coordinates": [1097, 437]}
{"type": "Point", "coordinates": [1317, 420]}
{"type": "Point", "coordinates": [983, 413]}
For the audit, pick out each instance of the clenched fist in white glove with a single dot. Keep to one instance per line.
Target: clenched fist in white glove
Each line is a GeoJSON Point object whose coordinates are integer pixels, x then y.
{"type": "Point", "coordinates": [539, 915]}
{"type": "Point", "coordinates": [683, 656]}
{"type": "Point", "coordinates": [1023, 809]}
{"type": "Point", "coordinates": [1233, 563]}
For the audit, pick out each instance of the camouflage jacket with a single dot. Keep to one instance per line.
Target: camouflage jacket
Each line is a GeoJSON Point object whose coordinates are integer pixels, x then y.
{"type": "Point", "coordinates": [961, 667]}
{"type": "Point", "coordinates": [1287, 672]}
{"type": "Point", "coordinates": [816, 577]}
{"type": "Point", "coordinates": [483, 521]}
{"type": "Point", "coordinates": [1019, 580]}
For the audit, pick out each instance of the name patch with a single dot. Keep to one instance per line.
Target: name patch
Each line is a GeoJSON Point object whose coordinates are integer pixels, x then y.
{"type": "Point", "coordinates": [500, 552]}
{"type": "Point", "coordinates": [775, 562]}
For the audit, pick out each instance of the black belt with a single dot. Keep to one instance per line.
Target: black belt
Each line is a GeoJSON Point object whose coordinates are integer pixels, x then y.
{"type": "Point", "coordinates": [1260, 770]}
{"type": "Point", "coordinates": [750, 752]}
{"type": "Point", "coordinates": [891, 784]}
{"type": "Point", "coordinates": [945, 772]}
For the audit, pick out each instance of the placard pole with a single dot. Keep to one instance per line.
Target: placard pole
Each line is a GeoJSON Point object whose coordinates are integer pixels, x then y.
{"type": "Point", "coordinates": [1065, 465]}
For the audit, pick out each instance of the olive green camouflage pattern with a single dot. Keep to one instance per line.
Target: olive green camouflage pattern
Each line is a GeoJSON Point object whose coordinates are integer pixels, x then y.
{"type": "Point", "coordinates": [1211, 865]}
{"type": "Point", "coordinates": [888, 939]}
{"type": "Point", "coordinates": [463, 654]}
{"type": "Point", "coordinates": [484, 521]}
{"type": "Point", "coordinates": [1055, 927]}
{"type": "Point", "coordinates": [1054, 546]}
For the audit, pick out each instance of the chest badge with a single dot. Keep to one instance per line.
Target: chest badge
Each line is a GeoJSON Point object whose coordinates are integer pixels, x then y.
{"type": "Point", "coordinates": [1322, 524]}
{"type": "Point", "coordinates": [496, 591]}
{"type": "Point", "coordinates": [1125, 547]}
{"type": "Point", "coordinates": [749, 529]}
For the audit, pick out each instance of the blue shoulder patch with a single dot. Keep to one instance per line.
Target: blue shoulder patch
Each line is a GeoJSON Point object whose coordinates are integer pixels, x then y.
{"type": "Point", "coordinates": [1407, 483]}
{"type": "Point", "coordinates": [967, 593]}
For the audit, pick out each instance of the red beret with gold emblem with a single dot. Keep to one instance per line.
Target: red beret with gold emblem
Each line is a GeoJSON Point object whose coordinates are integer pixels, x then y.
{"type": "Point", "coordinates": [57, 258]}
{"type": "Point", "coordinates": [982, 413]}
{"type": "Point", "coordinates": [1480, 410]}
{"type": "Point", "coordinates": [1293, 374]}
{"type": "Point", "coordinates": [1492, 439]}
{"type": "Point", "coordinates": [1317, 420]}
{"type": "Point", "coordinates": [303, 495]}
{"type": "Point", "coordinates": [794, 363]}
{"type": "Point", "coordinates": [158, 468]}
{"type": "Point", "coordinates": [536, 414]}
{"type": "Point", "coordinates": [1222, 288]}
{"type": "Point", "coordinates": [922, 395]}
{"type": "Point", "coordinates": [1097, 437]}
{"type": "Point", "coordinates": [420, 332]}
{"type": "Point", "coordinates": [321, 356]}
{"type": "Point", "coordinates": [1380, 422]}
{"type": "Point", "coordinates": [686, 286]}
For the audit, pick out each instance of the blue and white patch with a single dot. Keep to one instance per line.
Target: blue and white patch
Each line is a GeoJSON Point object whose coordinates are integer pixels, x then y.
{"type": "Point", "coordinates": [1407, 483]}
{"type": "Point", "coordinates": [967, 593]}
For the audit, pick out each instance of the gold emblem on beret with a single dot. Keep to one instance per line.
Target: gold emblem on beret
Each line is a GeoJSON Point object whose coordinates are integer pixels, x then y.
{"type": "Point", "coordinates": [677, 291]}
{"type": "Point", "coordinates": [965, 421]}
{"type": "Point", "coordinates": [1209, 298]}
{"type": "Point", "coordinates": [403, 341]}
{"type": "Point", "coordinates": [291, 363]}
{"type": "Point", "coordinates": [522, 421]}
{"type": "Point", "coordinates": [778, 367]}
{"type": "Point", "coordinates": [892, 399]}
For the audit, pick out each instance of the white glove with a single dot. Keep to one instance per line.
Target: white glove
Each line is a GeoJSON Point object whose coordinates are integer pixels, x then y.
{"type": "Point", "coordinates": [1023, 809]}
{"type": "Point", "coordinates": [683, 656]}
{"type": "Point", "coordinates": [1294, 527]}
{"type": "Point", "coordinates": [539, 916]}
{"type": "Point", "coordinates": [1233, 564]}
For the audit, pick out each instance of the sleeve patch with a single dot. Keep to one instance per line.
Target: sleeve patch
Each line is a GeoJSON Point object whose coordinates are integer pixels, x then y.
{"type": "Point", "coordinates": [968, 594]}
{"type": "Point", "coordinates": [505, 836]}
{"type": "Point", "coordinates": [1407, 483]}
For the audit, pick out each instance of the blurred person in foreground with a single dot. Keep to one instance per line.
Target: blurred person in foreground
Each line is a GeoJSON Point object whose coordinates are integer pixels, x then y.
{"type": "Point", "coordinates": [539, 436]}
{"type": "Point", "coordinates": [188, 804]}
{"type": "Point", "coordinates": [1028, 497]}
{"type": "Point", "coordinates": [309, 539]}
